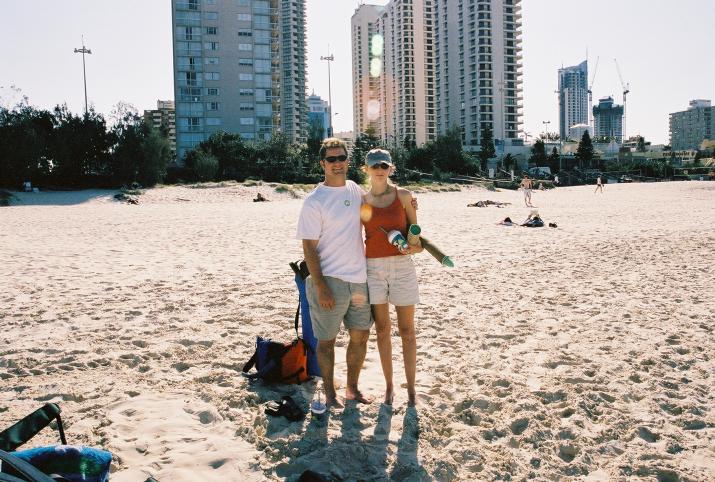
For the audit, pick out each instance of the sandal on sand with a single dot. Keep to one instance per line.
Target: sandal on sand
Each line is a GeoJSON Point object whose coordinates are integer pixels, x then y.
{"type": "Point", "coordinates": [286, 407]}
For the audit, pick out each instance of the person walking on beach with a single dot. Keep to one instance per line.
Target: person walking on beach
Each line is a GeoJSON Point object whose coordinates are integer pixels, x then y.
{"type": "Point", "coordinates": [599, 185]}
{"type": "Point", "coordinates": [391, 275]}
{"type": "Point", "coordinates": [329, 227]}
{"type": "Point", "coordinates": [527, 185]}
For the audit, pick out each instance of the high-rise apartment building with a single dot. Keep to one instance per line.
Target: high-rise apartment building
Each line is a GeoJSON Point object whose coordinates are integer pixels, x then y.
{"type": "Point", "coordinates": [689, 128]}
{"type": "Point", "coordinates": [608, 120]}
{"type": "Point", "coordinates": [573, 97]}
{"type": "Point", "coordinates": [478, 68]}
{"type": "Point", "coordinates": [239, 66]}
{"type": "Point", "coordinates": [365, 44]}
{"type": "Point", "coordinates": [163, 118]}
{"type": "Point", "coordinates": [393, 71]}
{"type": "Point", "coordinates": [406, 61]}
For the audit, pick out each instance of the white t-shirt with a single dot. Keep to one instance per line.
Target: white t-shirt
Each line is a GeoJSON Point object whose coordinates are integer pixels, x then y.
{"type": "Point", "coordinates": [332, 216]}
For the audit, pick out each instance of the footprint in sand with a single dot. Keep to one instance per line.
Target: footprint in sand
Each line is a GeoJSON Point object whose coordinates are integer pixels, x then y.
{"type": "Point", "coordinates": [568, 452]}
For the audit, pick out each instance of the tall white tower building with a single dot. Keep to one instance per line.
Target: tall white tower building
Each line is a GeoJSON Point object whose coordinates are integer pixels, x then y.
{"type": "Point", "coordinates": [366, 46]}
{"type": "Point", "coordinates": [573, 97]}
{"type": "Point", "coordinates": [393, 71]}
{"type": "Point", "coordinates": [407, 79]}
{"type": "Point", "coordinates": [239, 66]}
{"type": "Point", "coordinates": [478, 68]}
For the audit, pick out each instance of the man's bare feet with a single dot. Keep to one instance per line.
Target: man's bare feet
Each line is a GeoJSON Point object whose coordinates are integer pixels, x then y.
{"type": "Point", "coordinates": [357, 396]}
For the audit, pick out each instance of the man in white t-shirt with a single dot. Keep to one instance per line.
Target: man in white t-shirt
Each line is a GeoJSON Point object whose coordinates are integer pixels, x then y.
{"type": "Point", "coordinates": [329, 226]}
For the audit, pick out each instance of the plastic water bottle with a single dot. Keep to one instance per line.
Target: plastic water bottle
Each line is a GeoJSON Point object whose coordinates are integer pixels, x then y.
{"type": "Point", "coordinates": [396, 239]}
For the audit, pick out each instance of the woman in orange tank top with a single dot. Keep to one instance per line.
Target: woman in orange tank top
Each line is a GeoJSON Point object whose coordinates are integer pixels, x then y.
{"type": "Point", "coordinates": [391, 275]}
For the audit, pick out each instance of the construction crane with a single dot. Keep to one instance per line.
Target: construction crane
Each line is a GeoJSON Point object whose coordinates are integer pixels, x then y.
{"type": "Point", "coordinates": [625, 93]}
{"type": "Point", "coordinates": [590, 99]}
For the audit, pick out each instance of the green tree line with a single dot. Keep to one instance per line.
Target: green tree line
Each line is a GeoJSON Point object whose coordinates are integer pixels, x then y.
{"type": "Point", "coordinates": [56, 148]}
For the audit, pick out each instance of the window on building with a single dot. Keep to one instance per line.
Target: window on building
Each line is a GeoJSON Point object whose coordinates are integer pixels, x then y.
{"type": "Point", "coordinates": [244, 17]}
{"type": "Point", "coordinates": [213, 121]}
{"type": "Point", "coordinates": [245, 47]}
{"type": "Point", "coordinates": [212, 105]}
{"type": "Point", "coordinates": [263, 66]}
{"type": "Point", "coordinates": [247, 121]}
{"type": "Point", "coordinates": [211, 31]}
{"type": "Point", "coordinates": [211, 15]}
{"type": "Point", "coordinates": [245, 92]}
{"type": "Point", "coordinates": [210, 45]}
{"type": "Point", "coordinates": [245, 76]}
{"type": "Point", "coordinates": [211, 60]}
{"type": "Point", "coordinates": [246, 106]}
{"type": "Point", "coordinates": [245, 33]}
{"type": "Point", "coordinates": [212, 91]}
{"type": "Point", "coordinates": [262, 52]}
{"type": "Point", "coordinates": [211, 76]}
{"type": "Point", "coordinates": [245, 62]}
{"type": "Point", "coordinates": [261, 21]}
{"type": "Point", "coordinates": [263, 80]}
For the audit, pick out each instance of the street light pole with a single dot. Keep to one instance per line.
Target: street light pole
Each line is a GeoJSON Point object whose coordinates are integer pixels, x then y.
{"type": "Point", "coordinates": [546, 128]}
{"type": "Point", "coordinates": [329, 58]}
{"type": "Point", "coordinates": [83, 51]}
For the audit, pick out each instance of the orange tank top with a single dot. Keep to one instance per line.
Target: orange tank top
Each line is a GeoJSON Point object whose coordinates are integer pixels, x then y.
{"type": "Point", "coordinates": [389, 218]}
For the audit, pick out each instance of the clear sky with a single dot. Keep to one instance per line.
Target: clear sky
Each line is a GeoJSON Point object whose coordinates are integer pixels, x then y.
{"type": "Point", "coordinates": [665, 50]}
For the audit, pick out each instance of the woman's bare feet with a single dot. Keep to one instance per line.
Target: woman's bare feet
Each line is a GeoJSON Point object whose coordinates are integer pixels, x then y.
{"type": "Point", "coordinates": [357, 396]}
{"type": "Point", "coordinates": [389, 396]}
{"type": "Point", "coordinates": [331, 400]}
{"type": "Point", "coordinates": [411, 399]}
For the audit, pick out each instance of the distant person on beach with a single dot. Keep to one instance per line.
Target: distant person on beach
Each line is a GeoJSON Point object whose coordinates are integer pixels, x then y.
{"type": "Point", "coordinates": [527, 186]}
{"type": "Point", "coordinates": [260, 198]}
{"type": "Point", "coordinates": [556, 180]}
{"type": "Point", "coordinates": [329, 226]}
{"type": "Point", "coordinates": [599, 185]}
{"type": "Point", "coordinates": [391, 275]}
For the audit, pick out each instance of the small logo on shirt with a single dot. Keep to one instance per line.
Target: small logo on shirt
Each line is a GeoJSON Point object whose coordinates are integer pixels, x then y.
{"type": "Point", "coordinates": [347, 202]}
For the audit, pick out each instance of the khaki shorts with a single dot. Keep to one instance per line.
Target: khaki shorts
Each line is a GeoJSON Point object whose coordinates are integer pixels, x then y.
{"type": "Point", "coordinates": [351, 308]}
{"type": "Point", "coordinates": [392, 280]}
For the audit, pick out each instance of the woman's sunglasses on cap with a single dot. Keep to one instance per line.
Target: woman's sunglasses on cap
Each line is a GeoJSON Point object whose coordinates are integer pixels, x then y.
{"type": "Point", "coordinates": [339, 158]}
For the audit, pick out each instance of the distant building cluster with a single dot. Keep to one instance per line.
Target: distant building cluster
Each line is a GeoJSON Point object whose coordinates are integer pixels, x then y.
{"type": "Point", "coordinates": [419, 68]}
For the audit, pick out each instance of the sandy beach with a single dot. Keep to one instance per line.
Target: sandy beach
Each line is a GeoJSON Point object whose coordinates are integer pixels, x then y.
{"type": "Point", "coordinates": [582, 352]}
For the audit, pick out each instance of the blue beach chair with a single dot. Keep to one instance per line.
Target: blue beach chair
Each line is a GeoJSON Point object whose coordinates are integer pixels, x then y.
{"type": "Point", "coordinates": [301, 273]}
{"type": "Point", "coordinates": [63, 462]}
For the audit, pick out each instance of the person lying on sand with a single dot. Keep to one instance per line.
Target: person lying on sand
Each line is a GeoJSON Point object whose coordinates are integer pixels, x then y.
{"type": "Point", "coordinates": [506, 222]}
{"type": "Point", "coordinates": [483, 204]}
{"type": "Point", "coordinates": [533, 220]}
{"type": "Point", "coordinates": [260, 198]}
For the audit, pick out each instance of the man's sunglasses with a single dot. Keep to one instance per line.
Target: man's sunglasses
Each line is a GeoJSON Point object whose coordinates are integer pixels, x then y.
{"type": "Point", "coordinates": [340, 158]}
{"type": "Point", "coordinates": [382, 165]}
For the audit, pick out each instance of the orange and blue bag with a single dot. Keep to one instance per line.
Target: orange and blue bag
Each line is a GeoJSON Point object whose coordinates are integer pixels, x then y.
{"type": "Point", "coordinates": [280, 362]}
